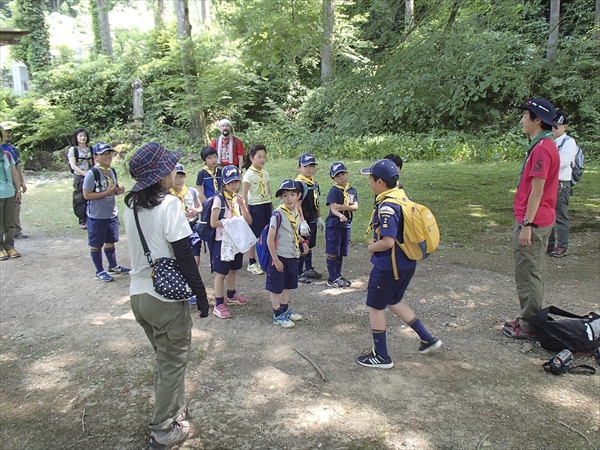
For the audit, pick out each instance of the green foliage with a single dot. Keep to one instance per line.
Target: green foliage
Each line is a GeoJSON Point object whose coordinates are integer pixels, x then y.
{"type": "Point", "coordinates": [96, 32]}
{"type": "Point", "coordinates": [34, 49]}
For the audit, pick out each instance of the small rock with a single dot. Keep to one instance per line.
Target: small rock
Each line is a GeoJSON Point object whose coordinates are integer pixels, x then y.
{"type": "Point", "coordinates": [452, 324]}
{"type": "Point", "coordinates": [527, 348]}
{"type": "Point", "coordinates": [211, 431]}
{"type": "Point", "coordinates": [452, 314]}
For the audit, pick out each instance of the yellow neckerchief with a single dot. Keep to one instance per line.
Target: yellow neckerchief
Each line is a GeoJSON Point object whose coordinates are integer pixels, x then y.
{"type": "Point", "coordinates": [263, 187]}
{"type": "Point", "coordinates": [232, 199]}
{"type": "Point", "coordinates": [344, 190]}
{"type": "Point", "coordinates": [311, 183]}
{"type": "Point", "coordinates": [394, 192]}
{"type": "Point", "coordinates": [214, 177]}
{"type": "Point", "coordinates": [293, 222]}
{"type": "Point", "coordinates": [180, 195]}
{"type": "Point", "coordinates": [106, 174]}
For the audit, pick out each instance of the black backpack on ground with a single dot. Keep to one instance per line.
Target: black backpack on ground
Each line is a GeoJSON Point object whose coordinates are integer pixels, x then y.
{"type": "Point", "coordinates": [576, 333]}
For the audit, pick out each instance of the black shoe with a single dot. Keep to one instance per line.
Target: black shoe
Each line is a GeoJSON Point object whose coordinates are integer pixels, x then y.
{"type": "Point", "coordinates": [304, 280]}
{"type": "Point", "coordinates": [338, 283]}
{"type": "Point", "coordinates": [347, 283]}
{"type": "Point", "coordinates": [431, 346]}
{"type": "Point", "coordinates": [21, 236]}
{"type": "Point", "coordinates": [372, 359]}
{"type": "Point", "coordinates": [312, 273]}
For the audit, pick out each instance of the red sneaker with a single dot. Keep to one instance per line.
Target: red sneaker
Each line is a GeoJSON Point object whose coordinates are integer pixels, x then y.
{"type": "Point", "coordinates": [519, 333]}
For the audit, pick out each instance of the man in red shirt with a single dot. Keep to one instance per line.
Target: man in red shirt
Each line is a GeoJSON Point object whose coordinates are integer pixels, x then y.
{"type": "Point", "coordinates": [534, 208]}
{"type": "Point", "coordinates": [230, 150]}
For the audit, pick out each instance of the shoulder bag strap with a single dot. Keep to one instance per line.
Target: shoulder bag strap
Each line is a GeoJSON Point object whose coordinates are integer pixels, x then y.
{"type": "Point", "coordinates": [147, 253]}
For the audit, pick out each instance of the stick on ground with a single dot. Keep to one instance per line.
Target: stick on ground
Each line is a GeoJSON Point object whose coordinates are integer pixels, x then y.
{"type": "Point", "coordinates": [317, 368]}
{"type": "Point", "coordinates": [578, 432]}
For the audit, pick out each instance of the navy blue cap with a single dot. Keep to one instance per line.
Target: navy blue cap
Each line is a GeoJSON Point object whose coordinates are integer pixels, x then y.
{"type": "Point", "coordinates": [179, 168]}
{"type": "Point", "coordinates": [150, 164]}
{"type": "Point", "coordinates": [287, 185]}
{"type": "Point", "coordinates": [231, 173]}
{"type": "Point", "coordinates": [101, 147]}
{"type": "Point", "coordinates": [541, 108]}
{"type": "Point", "coordinates": [384, 169]}
{"type": "Point", "coordinates": [337, 167]}
{"type": "Point", "coordinates": [307, 159]}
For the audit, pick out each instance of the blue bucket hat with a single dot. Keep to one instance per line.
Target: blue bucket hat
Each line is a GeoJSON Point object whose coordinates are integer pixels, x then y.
{"type": "Point", "coordinates": [287, 185]}
{"type": "Point", "coordinates": [150, 164]}
{"type": "Point", "coordinates": [541, 108]}
{"type": "Point", "coordinates": [231, 173]}
{"type": "Point", "coordinates": [337, 167]}
{"type": "Point", "coordinates": [101, 147]}
{"type": "Point", "coordinates": [307, 159]}
{"type": "Point", "coordinates": [384, 169]}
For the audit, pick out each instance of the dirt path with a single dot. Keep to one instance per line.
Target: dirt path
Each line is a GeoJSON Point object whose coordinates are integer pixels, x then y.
{"type": "Point", "coordinates": [76, 369]}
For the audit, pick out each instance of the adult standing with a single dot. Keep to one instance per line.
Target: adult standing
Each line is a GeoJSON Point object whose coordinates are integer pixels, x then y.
{"type": "Point", "coordinates": [10, 195]}
{"type": "Point", "coordinates": [534, 213]}
{"type": "Point", "coordinates": [230, 149]}
{"type": "Point", "coordinates": [558, 243]}
{"type": "Point", "coordinates": [80, 161]}
{"type": "Point", "coordinates": [16, 156]}
{"type": "Point", "coordinates": [167, 323]}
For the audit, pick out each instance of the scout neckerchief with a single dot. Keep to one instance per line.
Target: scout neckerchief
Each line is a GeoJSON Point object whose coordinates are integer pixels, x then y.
{"type": "Point", "coordinates": [534, 141]}
{"type": "Point", "coordinates": [231, 198]}
{"type": "Point", "coordinates": [263, 187]}
{"type": "Point", "coordinates": [106, 173]}
{"type": "Point", "coordinates": [293, 222]}
{"type": "Point", "coordinates": [214, 177]}
{"type": "Point", "coordinates": [181, 195]}
{"type": "Point", "coordinates": [344, 190]}
{"type": "Point", "coordinates": [225, 149]}
{"type": "Point", "coordinates": [394, 192]}
{"type": "Point", "coordinates": [310, 182]}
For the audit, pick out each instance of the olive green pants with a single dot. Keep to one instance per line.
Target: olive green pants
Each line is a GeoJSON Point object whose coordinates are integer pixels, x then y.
{"type": "Point", "coordinates": [168, 326]}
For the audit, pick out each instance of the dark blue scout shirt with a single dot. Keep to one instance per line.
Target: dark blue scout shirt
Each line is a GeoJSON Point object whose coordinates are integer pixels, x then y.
{"type": "Point", "coordinates": [388, 220]}
{"type": "Point", "coordinates": [309, 207]}
{"type": "Point", "coordinates": [336, 195]}
{"type": "Point", "coordinates": [206, 180]}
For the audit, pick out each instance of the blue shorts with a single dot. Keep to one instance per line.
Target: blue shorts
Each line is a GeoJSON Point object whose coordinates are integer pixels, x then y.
{"type": "Point", "coordinates": [383, 290]}
{"type": "Point", "coordinates": [102, 231]}
{"type": "Point", "coordinates": [337, 241]}
{"type": "Point", "coordinates": [288, 279]}
{"type": "Point", "coordinates": [261, 214]}
{"type": "Point", "coordinates": [223, 267]}
{"type": "Point", "coordinates": [312, 237]}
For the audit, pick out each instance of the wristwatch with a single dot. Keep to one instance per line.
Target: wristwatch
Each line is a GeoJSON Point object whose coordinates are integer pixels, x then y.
{"type": "Point", "coordinates": [527, 223]}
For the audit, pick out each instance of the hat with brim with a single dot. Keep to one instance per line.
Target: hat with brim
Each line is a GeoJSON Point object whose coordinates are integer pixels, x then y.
{"type": "Point", "coordinates": [101, 147]}
{"type": "Point", "coordinates": [150, 164]}
{"type": "Point", "coordinates": [287, 185]}
{"type": "Point", "coordinates": [306, 160]}
{"type": "Point", "coordinates": [541, 108]}
{"type": "Point", "coordinates": [384, 169]}
{"type": "Point", "coordinates": [337, 167]}
{"type": "Point", "coordinates": [231, 173]}
{"type": "Point", "coordinates": [179, 168]}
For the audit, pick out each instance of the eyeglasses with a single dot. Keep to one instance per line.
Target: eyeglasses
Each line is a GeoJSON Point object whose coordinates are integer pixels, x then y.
{"type": "Point", "coordinates": [537, 105]}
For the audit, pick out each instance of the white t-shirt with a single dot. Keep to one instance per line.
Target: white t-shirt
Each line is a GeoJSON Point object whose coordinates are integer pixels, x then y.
{"type": "Point", "coordinates": [567, 148]}
{"type": "Point", "coordinates": [255, 196]}
{"type": "Point", "coordinates": [161, 225]}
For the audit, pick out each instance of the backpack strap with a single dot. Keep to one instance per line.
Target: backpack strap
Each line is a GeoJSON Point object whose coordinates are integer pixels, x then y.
{"type": "Point", "coordinates": [561, 312]}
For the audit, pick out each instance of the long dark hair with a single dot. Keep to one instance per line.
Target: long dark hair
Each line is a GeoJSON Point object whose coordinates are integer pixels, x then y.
{"type": "Point", "coordinates": [146, 198]}
{"type": "Point", "coordinates": [255, 148]}
{"type": "Point", "coordinates": [81, 130]}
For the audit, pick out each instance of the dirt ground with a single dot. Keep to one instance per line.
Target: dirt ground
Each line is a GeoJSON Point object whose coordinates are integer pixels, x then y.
{"type": "Point", "coordinates": [76, 370]}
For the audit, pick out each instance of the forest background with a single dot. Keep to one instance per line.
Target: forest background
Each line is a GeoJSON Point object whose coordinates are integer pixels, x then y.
{"type": "Point", "coordinates": [427, 79]}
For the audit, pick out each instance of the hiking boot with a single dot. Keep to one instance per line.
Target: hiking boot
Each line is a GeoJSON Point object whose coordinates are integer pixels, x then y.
{"type": "Point", "coordinates": [236, 300]}
{"type": "Point", "coordinates": [12, 253]}
{"type": "Point", "coordinates": [21, 236]}
{"type": "Point", "coordinates": [292, 316]}
{"type": "Point", "coordinates": [3, 255]}
{"type": "Point", "coordinates": [221, 311]}
{"type": "Point", "coordinates": [372, 359]}
{"type": "Point", "coordinates": [559, 252]}
{"type": "Point", "coordinates": [519, 333]}
{"type": "Point", "coordinates": [338, 283]}
{"type": "Point", "coordinates": [178, 433]}
{"type": "Point", "coordinates": [283, 320]}
{"type": "Point", "coordinates": [304, 280]}
{"type": "Point", "coordinates": [429, 346]}
{"type": "Point", "coordinates": [312, 273]}
{"type": "Point", "coordinates": [347, 283]}
{"type": "Point", "coordinates": [119, 269]}
{"type": "Point", "coordinates": [255, 269]}
{"type": "Point", "coordinates": [103, 276]}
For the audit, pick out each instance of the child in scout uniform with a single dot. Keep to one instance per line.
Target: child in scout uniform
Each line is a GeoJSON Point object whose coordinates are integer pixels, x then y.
{"type": "Point", "coordinates": [209, 179]}
{"type": "Point", "coordinates": [343, 201]}
{"type": "Point", "coordinates": [190, 202]}
{"type": "Point", "coordinates": [284, 242]}
{"type": "Point", "coordinates": [102, 219]}
{"type": "Point", "coordinates": [392, 270]}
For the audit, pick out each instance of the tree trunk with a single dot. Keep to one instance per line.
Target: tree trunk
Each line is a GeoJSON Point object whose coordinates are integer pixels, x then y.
{"type": "Point", "coordinates": [159, 14]}
{"type": "Point", "coordinates": [205, 11]}
{"type": "Point", "coordinates": [327, 56]}
{"type": "Point", "coordinates": [553, 35]}
{"type": "Point", "coordinates": [188, 62]}
{"type": "Point", "coordinates": [104, 28]}
{"type": "Point", "coordinates": [453, 14]}
{"type": "Point", "coordinates": [409, 14]}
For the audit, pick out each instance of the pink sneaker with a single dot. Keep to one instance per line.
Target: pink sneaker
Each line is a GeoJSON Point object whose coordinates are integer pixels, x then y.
{"type": "Point", "coordinates": [236, 300]}
{"type": "Point", "coordinates": [221, 311]}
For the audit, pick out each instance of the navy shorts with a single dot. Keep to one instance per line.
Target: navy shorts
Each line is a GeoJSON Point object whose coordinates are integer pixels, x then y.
{"type": "Point", "coordinates": [223, 267]}
{"type": "Point", "coordinates": [102, 231]}
{"type": "Point", "coordinates": [383, 290]}
{"type": "Point", "coordinates": [288, 279]}
{"type": "Point", "coordinates": [337, 241]}
{"type": "Point", "coordinates": [312, 237]}
{"type": "Point", "coordinates": [261, 214]}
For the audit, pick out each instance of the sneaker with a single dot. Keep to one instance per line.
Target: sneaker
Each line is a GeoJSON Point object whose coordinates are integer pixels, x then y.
{"type": "Point", "coordinates": [519, 333]}
{"type": "Point", "coordinates": [178, 433]}
{"type": "Point", "coordinates": [21, 236]}
{"type": "Point", "coordinates": [103, 276]}
{"type": "Point", "coordinates": [83, 226]}
{"type": "Point", "coordinates": [283, 320]}
{"type": "Point", "coordinates": [347, 283]}
{"type": "Point", "coordinates": [511, 324]}
{"type": "Point", "coordinates": [255, 269]}
{"type": "Point", "coordinates": [338, 283]}
{"type": "Point", "coordinates": [304, 280]}
{"type": "Point", "coordinates": [559, 252]}
{"type": "Point", "coordinates": [431, 346]}
{"type": "Point", "coordinates": [119, 269]}
{"type": "Point", "coordinates": [550, 248]}
{"type": "Point", "coordinates": [3, 255]}
{"type": "Point", "coordinates": [12, 253]}
{"type": "Point", "coordinates": [372, 359]}
{"type": "Point", "coordinates": [235, 300]}
{"type": "Point", "coordinates": [292, 316]}
{"type": "Point", "coordinates": [312, 273]}
{"type": "Point", "coordinates": [221, 311]}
